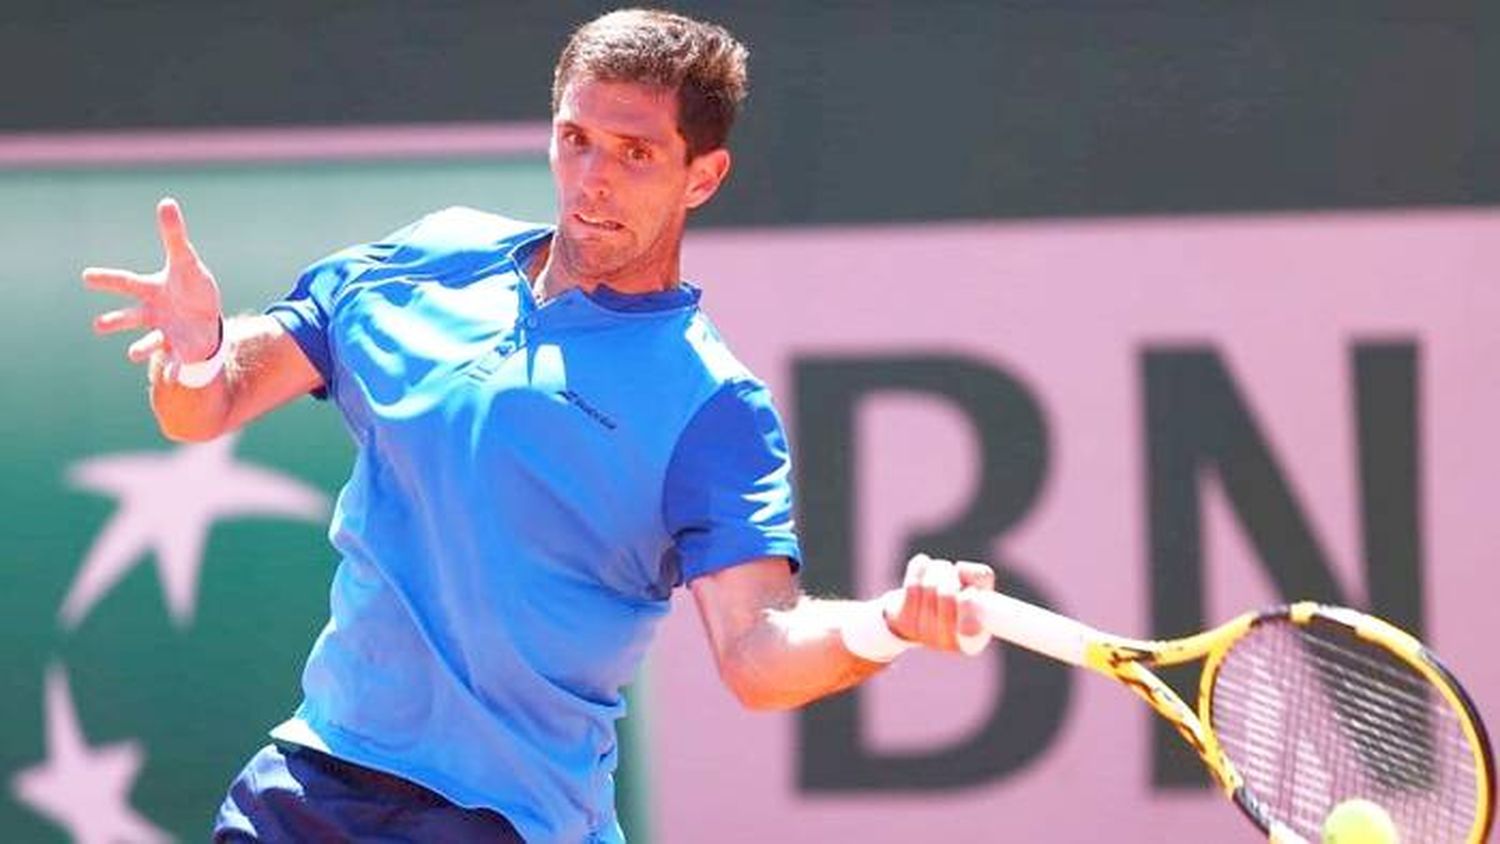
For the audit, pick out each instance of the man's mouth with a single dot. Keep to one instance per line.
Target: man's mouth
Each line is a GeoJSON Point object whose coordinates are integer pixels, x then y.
{"type": "Point", "coordinates": [600, 223]}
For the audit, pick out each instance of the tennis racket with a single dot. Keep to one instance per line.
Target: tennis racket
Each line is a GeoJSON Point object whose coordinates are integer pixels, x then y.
{"type": "Point", "coordinates": [1300, 708]}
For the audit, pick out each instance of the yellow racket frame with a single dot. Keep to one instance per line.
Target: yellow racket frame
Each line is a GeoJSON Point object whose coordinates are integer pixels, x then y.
{"type": "Point", "coordinates": [1128, 661]}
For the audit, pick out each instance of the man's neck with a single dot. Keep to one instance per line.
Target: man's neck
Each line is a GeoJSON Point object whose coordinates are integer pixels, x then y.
{"type": "Point", "coordinates": [550, 277]}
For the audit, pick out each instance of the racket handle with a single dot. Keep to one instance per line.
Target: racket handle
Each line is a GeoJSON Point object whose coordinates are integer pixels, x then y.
{"type": "Point", "coordinates": [1037, 629]}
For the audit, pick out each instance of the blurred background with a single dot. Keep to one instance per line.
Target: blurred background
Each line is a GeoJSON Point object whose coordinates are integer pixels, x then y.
{"type": "Point", "coordinates": [1169, 308]}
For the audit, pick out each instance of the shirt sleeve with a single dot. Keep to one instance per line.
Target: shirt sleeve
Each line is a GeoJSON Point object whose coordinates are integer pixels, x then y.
{"type": "Point", "coordinates": [306, 312]}
{"type": "Point", "coordinates": [728, 494]}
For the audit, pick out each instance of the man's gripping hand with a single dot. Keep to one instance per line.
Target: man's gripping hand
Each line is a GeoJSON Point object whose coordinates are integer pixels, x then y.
{"type": "Point", "coordinates": [935, 606]}
{"type": "Point", "coordinates": [178, 305]}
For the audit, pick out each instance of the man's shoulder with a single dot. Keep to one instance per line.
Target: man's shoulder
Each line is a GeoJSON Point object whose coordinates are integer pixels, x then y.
{"type": "Point", "coordinates": [448, 245]}
{"type": "Point", "coordinates": [462, 229]}
{"type": "Point", "coordinates": [718, 362]}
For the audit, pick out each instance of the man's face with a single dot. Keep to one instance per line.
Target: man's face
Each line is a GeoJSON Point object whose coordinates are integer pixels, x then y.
{"type": "Point", "coordinates": [624, 184]}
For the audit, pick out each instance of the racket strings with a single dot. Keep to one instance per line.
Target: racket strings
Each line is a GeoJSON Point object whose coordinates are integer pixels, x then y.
{"type": "Point", "coordinates": [1312, 781]}
{"type": "Point", "coordinates": [1386, 704]}
{"type": "Point", "coordinates": [1311, 716]}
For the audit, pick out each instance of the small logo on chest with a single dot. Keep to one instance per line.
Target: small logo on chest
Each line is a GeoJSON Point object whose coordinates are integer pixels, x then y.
{"type": "Point", "coordinates": [588, 409]}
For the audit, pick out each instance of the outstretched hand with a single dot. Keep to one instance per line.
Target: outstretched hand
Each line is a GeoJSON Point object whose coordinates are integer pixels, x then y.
{"type": "Point", "coordinates": [936, 607]}
{"type": "Point", "coordinates": [178, 305]}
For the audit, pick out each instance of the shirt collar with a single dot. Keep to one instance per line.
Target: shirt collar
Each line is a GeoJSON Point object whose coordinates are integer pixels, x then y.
{"type": "Point", "coordinates": [685, 294]}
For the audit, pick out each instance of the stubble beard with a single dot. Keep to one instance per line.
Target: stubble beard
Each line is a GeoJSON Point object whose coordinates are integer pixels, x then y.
{"type": "Point", "coordinates": [616, 264]}
{"type": "Point", "coordinates": [590, 263]}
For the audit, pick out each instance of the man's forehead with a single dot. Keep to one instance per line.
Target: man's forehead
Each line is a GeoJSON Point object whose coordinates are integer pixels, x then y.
{"type": "Point", "coordinates": [622, 108]}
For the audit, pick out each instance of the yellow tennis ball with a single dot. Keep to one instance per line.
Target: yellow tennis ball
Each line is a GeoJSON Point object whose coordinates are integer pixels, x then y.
{"type": "Point", "coordinates": [1359, 821]}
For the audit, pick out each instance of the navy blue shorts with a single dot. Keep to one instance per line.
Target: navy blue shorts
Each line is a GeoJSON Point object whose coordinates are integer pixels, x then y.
{"type": "Point", "coordinates": [290, 793]}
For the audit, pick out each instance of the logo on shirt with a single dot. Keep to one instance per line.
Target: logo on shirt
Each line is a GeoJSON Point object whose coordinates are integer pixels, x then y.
{"type": "Point", "coordinates": [589, 410]}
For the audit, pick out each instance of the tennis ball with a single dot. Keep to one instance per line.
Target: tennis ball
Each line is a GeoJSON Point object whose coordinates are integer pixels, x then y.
{"type": "Point", "coordinates": [1359, 821]}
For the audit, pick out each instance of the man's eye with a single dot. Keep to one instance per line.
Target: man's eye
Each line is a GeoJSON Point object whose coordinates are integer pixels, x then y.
{"type": "Point", "coordinates": [572, 138]}
{"type": "Point", "coordinates": [638, 154]}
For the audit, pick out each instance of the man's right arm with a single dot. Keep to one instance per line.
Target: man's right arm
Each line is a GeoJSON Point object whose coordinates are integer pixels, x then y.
{"type": "Point", "coordinates": [264, 370]}
{"type": "Point", "coordinates": [179, 308]}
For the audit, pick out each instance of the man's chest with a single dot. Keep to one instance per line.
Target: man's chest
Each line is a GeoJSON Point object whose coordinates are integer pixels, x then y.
{"type": "Point", "coordinates": [475, 393]}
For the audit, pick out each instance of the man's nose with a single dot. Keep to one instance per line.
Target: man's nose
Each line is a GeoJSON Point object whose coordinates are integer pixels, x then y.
{"type": "Point", "coordinates": [595, 172]}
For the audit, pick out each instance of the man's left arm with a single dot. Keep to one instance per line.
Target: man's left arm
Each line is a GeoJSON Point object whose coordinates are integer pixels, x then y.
{"type": "Point", "coordinates": [777, 648]}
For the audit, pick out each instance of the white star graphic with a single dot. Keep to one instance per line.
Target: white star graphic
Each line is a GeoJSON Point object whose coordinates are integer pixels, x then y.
{"type": "Point", "coordinates": [168, 502]}
{"type": "Point", "coordinates": [84, 789]}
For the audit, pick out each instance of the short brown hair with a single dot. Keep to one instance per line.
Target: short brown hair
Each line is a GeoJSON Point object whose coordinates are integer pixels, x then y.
{"type": "Point", "coordinates": [701, 61]}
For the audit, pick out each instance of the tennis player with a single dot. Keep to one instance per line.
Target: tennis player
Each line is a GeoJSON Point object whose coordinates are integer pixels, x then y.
{"type": "Point", "coordinates": [550, 438]}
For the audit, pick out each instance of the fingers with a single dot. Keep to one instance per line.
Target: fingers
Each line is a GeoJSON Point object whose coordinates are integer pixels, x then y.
{"type": "Point", "coordinates": [973, 637]}
{"type": "Point", "coordinates": [910, 606]}
{"type": "Point", "coordinates": [937, 606]}
{"type": "Point", "coordinates": [914, 568]}
{"type": "Point", "coordinates": [975, 575]}
{"type": "Point", "coordinates": [938, 622]}
{"type": "Point", "coordinates": [929, 607]}
{"type": "Point", "coordinates": [173, 229]}
{"type": "Point", "coordinates": [124, 319]}
{"type": "Point", "coordinates": [969, 621]}
{"type": "Point", "coordinates": [144, 348]}
{"type": "Point", "coordinates": [121, 281]}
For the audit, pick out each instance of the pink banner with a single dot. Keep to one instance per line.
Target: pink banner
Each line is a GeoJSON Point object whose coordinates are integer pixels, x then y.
{"type": "Point", "coordinates": [132, 147]}
{"type": "Point", "coordinates": [1069, 310]}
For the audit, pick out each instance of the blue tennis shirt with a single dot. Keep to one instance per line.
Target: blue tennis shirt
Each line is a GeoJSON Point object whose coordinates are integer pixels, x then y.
{"type": "Point", "coordinates": [530, 483]}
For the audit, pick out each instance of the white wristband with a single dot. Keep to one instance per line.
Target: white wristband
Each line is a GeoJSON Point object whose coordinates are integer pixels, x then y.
{"type": "Point", "coordinates": [867, 635]}
{"type": "Point", "coordinates": [199, 374]}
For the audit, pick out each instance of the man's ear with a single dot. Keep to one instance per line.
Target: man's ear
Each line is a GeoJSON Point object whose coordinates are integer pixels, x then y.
{"type": "Point", "coordinates": [705, 173]}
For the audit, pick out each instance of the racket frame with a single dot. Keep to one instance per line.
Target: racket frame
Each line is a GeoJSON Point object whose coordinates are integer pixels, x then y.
{"type": "Point", "coordinates": [1129, 661]}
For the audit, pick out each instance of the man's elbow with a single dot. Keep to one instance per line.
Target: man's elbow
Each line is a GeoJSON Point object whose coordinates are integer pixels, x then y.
{"type": "Point", "coordinates": [179, 432]}
{"type": "Point", "coordinates": [755, 691]}
{"type": "Point", "coordinates": [758, 699]}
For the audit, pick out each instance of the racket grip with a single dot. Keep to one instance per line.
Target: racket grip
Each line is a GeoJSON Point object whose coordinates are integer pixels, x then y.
{"type": "Point", "coordinates": [1037, 629]}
